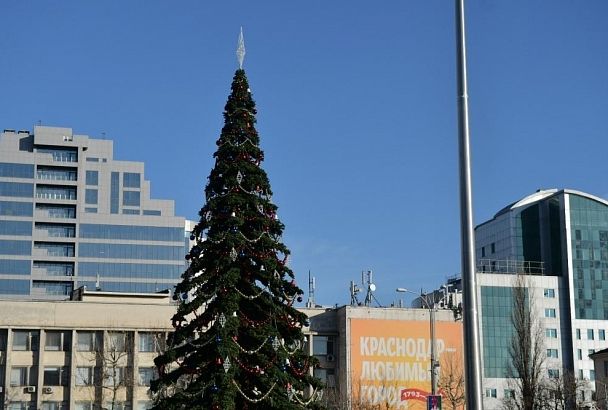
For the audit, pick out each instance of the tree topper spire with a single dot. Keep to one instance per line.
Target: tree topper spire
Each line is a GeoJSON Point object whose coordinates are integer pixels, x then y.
{"type": "Point", "coordinates": [240, 49]}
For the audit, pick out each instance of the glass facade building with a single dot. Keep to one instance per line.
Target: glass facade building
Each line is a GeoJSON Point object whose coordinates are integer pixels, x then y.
{"type": "Point", "coordinates": [72, 215]}
{"type": "Point", "coordinates": [559, 239]}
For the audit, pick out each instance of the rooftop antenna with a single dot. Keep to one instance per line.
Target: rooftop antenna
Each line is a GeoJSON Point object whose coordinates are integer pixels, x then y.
{"type": "Point", "coordinates": [310, 303]}
{"type": "Point", "coordinates": [367, 279]}
{"type": "Point", "coordinates": [354, 289]}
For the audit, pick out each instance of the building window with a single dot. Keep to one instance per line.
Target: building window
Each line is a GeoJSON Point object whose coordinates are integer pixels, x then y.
{"type": "Point", "coordinates": [150, 342]}
{"type": "Point", "coordinates": [146, 375]}
{"type": "Point", "coordinates": [116, 342]}
{"type": "Point", "coordinates": [590, 351]}
{"type": "Point", "coordinates": [92, 178]}
{"type": "Point", "coordinates": [114, 376]}
{"type": "Point", "coordinates": [483, 251]}
{"type": "Point", "coordinates": [25, 340]}
{"type": "Point", "coordinates": [21, 405]}
{"type": "Point", "coordinates": [84, 376]}
{"type": "Point", "coordinates": [130, 211]}
{"type": "Point", "coordinates": [605, 368]}
{"type": "Point", "coordinates": [90, 196]}
{"type": "Point", "coordinates": [151, 212]}
{"type": "Point", "coordinates": [581, 376]}
{"type": "Point", "coordinates": [131, 180]}
{"type": "Point", "coordinates": [19, 376]}
{"type": "Point", "coordinates": [87, 341]}
{"type": "Point", "coordinates": [90, 210]}
{"type": "Point", "coordinates": [578, 334]}
{"type": "Point", "coordinates": [592, 375]}
{"type": "Point", "coordinates": [54, 405]}
{"type": "Point", "coordinates": [491, 393]}
{"type": "Point", "coordinates": [130, 198]}
{"type": "Point", "coordinates": [114, 192]}
{"type": "Point", "coordinates": [144, 405]}
{"type": "Point", "coordinates": [322, 345]}
{"type": "Point", "coordinates": [549, 293]}
{"type": "Point", "coordinates": [553, 373]}
{"type": "Point", "coordinates": [83, 405]}
{"type": "Point", "coordinates": [57, 340]}
{"type": "Point", "coordinates": [601, 334]}
{"type": "Point", "coordinates": [493, 247]}
{"type": "Point", "coordinates": [552, 353]}
{"type": "Point", "coordinates": [550, 312]}
{"type": "Point", "coordinates": [551, 333]}
{"type": "Point", "coordinates": [590, 334]}
{"type": "Point", "coordinates": [55, 376]}
{"type": "Point", "coordinates": [579, 354]}
{"type": "Point", "coordinates": [327, 376]}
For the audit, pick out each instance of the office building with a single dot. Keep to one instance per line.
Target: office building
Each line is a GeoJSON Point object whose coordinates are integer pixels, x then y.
{"type": "Point", "coordinates": [559, 240]}
{"type": "Point", "coordinates": [72, 215]}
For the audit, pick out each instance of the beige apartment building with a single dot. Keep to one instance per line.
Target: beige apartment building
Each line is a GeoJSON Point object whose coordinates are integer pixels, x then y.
{"type": "Point", "coordinates": [98, 348]}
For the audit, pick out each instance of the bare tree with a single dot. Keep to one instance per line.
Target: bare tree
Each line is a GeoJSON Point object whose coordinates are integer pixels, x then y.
{"type": "Point", "coordinates": [564, 392]}
{"type": "Point", "coordinates": [451, 381]}
{"type": "Point", "coordinates": [526, 351]}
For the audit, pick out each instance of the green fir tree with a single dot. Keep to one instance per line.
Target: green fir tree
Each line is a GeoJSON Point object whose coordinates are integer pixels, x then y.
{"type": "Point", "coordinates": [238, 341]}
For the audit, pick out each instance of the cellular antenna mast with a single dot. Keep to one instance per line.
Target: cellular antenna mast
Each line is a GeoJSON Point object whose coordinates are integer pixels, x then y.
{"type": "Point", "coordinates": [367, 279]}
{"type": "Point", "coordinates": [310, 303]}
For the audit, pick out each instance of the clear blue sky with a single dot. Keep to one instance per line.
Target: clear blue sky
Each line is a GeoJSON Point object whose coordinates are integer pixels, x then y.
{"type": "Point", "coordinates": [357, 111]}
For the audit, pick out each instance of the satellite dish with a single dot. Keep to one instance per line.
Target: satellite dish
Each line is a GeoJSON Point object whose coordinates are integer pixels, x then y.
{"type": "Point", "coordinates": [372, 287]}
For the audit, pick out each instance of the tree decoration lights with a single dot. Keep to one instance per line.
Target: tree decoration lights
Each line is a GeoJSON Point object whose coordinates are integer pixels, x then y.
{"type": "Point", "coordinates": [228, 350]}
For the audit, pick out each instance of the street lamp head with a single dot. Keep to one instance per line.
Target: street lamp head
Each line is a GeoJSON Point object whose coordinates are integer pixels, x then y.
{"type": "Point", "coordinates": [402, 290]}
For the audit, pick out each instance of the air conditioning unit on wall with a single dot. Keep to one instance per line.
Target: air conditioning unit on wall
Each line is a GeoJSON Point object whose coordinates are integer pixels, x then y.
{"type": "Point", "coordinates": [330, 358]}
{"type": "Point", "coordinates": [31, 389]}
{"type": "Point", "coordinates": [47, 390]}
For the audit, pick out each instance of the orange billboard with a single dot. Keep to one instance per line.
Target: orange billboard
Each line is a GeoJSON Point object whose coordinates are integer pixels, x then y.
{"type": "Point", "coordinates": [391, 361]}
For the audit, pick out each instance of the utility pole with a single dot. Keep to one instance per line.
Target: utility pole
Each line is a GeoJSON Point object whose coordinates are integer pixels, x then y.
{"type": "Point", "coordinates": [472, 357]}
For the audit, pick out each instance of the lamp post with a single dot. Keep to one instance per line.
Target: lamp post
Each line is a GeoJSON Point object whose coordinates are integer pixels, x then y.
{"type": "Point", "coordinates": [432, 308]}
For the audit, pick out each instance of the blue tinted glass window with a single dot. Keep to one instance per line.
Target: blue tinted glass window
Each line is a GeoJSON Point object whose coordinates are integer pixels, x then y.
{"type": "Point", "coordinates": [92, 178]}
{"type": "Point", "coordinates": [90, 210]}
{"type": "Point", "coordinates": [129, 232]}
{"type": "Point", "coordinates": [51, 288]}
{"type": "Point", "coordinates": [53, 192]}
{"type": "Point", "coordinates": [10, 208]}
{"type": "Point", "coordinates": [90, 196]}
{"type": "Point", "coordinates": [92, 159]}
{"type": "Point", "coordinates": [151, 212]}
{"type": "Point", "coordinates": [20, 228]}
{"type": "Point", "coordinates": [16, 170]}
{"type": "Point", "coordinates": [130, 211]}
{"type": "Point", "coordinates": [15, 247]}
{"type": "Point", "coordinates": [16, 189]}
{"type": "Point", "coordinates": [53, 249]}
{"type": "Point", "coordinates": [56, 211]}
{"type": "Point", "coordinates": [54, 268]}
{"type": "Point", "coordinates": [114, 192]}
{"type": "Point", "coordinates": [15, 267]}
{"type": "Point", "coordinates": [57, 174]}
{"type": "Point", "coordinates": [56, 230]}
{"type": "Point", "coordinates": [130, 198]}
{"type": "Point", "coordinates": [128, 286]}
{"type": "Point", "coordinates": [14, 287]}
{"type": "Point", "coordinates": [131, 270]}
{"type": "Point", "coordinates": [125, 251]}
{"type": "Point", "coordinates": [131, 180]}
{"type": "Point", "coordinates": [60, 155]}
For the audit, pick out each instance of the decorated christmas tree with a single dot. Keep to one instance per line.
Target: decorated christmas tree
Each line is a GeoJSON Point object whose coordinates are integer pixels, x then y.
{"type": "Point", "coordinates": [238, 341]}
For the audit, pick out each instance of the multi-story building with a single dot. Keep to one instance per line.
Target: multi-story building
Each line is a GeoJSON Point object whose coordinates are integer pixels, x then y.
{"type": "Point", "coordinates": [559, 240]}
{"type": "Point", "coordinates": [86, 352]}
{"type": "Point", "coordinates": [72, 215]}
{"type": "Point", "coordinates": [81, 354]}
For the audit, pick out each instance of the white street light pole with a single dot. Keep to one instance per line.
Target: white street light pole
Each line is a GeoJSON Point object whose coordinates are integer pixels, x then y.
{"type": "Point", "coordinates": [432, 309]}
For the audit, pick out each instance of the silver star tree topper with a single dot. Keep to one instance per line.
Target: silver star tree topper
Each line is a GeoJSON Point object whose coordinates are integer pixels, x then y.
{"type": "Point", "coordinates": [240, 49]}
